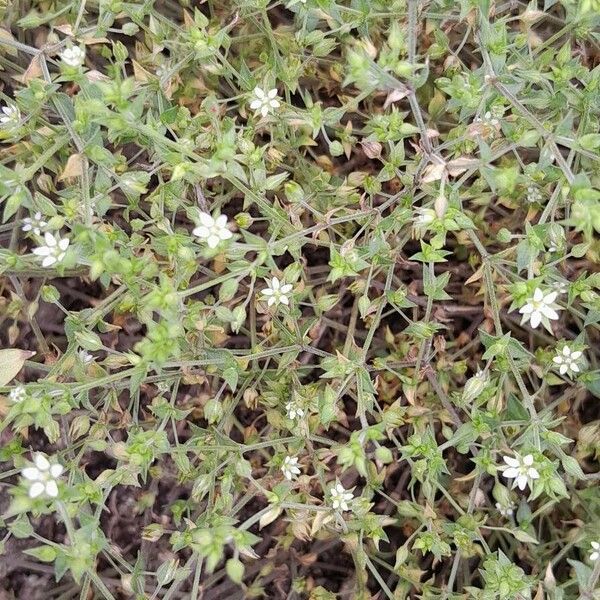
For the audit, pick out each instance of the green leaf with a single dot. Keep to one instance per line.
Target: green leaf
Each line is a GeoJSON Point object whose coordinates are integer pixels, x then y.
{"type": "Point", "coordinates": [42, 553]}
{"type": "Point", "coordinates": [523, 536]}
{"type": "Point", "coordinates": [231, 376]}
{"type": "Point", "coordinates": [11, 362]}
{"type": "Point", "coordinates": [590, 141]}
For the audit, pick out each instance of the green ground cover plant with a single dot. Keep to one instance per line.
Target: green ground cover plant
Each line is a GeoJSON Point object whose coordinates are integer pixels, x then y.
{"type": "Point", "coordinates": [299, 299]}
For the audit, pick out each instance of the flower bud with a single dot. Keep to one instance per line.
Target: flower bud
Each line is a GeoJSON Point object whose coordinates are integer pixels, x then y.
{"type": "Point", "coordinates": [474, 386]}
{"type": "Point", "coordinates": [502, 495]}
{"type": "Point", "coordinates": [440, 206]}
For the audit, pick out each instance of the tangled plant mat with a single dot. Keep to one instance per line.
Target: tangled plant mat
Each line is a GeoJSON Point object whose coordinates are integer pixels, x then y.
{"type": "Point", "coordinates": [299, 299]}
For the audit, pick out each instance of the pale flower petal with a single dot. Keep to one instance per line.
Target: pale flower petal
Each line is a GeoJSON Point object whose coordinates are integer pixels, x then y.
{"type": "Point", "coordinates": [528, 460]}
{"type": "Point", "coordinates": [549, 312]}
{"type": "Point", "coordinates": [206, 219]}
{"type": "Point", "coordinates": [52, 488]}
{"type": "Point", "coordinates": [511, 473]}
{"type": "Point", "coordinates": [31, 473]}
{"type": "Point", "coordinates": [41, 462]}
{"type": "Point", "coordinates": [48, 261]}
{"type": "Point", "coordinates": [36, 489]}
{"type": "Point", "coordinates": [202, 231]}
{"type": "Point", "coordinates": [536, 319]}
{"type": "Point", "coordinates": [56, 470]}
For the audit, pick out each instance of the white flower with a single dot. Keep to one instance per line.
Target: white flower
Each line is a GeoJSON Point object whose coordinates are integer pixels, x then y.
{"type": "Point", "coordinates": [340, 497]}
{"type": "Point", "coordinates": [73, 57]}
{"type": "Point", "coordinates": [505, 510]}
{"type": "Point", "coordinates": [277, 293]}
{"type": "Point", "coordinates": [293, 411]}
{"type": "Point", "coordinates": [425, 216]}
{"type": "Point", "coordinates": [85, 357]}
{"type": "Point", "coordinates": [42, 477]}
{"type": "Point", "coordinates": [567, 359]}
{"type": "Point", "coordinates": [10, 115]}
{"type": "Point", "coordinates": [540, 308]}
{"type": "Point", "coordinates": [18, 394]}
{"type": "Point", "coordinates": [533, 194]}
{"type": "Point", "coordinates": [487, 119]}
{"type": "Point", "coordinates": [264, 101]}
{"type": "Point", "coordinates": [520, 469]}
{"type": "Point", "coordinates": [54, 249]}
{"type": "Point", "coordinates": [290, 467]}
{"type": "Point", "coordinates": [561, 287]}
{"type": "Point", "coordinates": [35, 223]}
{"type": "Point", "coordinates": [595, 555]}
{"type": "Point", "coordinates": [212, 230]}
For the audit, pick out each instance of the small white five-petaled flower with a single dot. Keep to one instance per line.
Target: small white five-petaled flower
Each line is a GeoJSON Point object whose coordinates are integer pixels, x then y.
{"type": "Point", "coordinates": [42, 477]}
{"type": "Point", "coordinates": [264, 102]}
{"type": "Point", "coordinates": [520, 469]}
{"type": "Point", "coordinates": [293, 411]}
{"type": "Point", "coordinates": [290, 467]}
{"type": "Point", "coordinates": [35, 223]}
{"type": "Point", "coordinates": [53, 250]}
{"type": "Point", "coordinates": [277, 293]}
{"type": "Point", "coordinates": [340, 497]}
{"type": "Point", "coordinates": [10, 115]}
{"type": "Point", "coordinates": [539, 308]}
{"type": "Point", "coordinates": [18, 394]}
{"type": "Point", "coordinates": [567, 361]}
{"type": "Point", "coordinates": [595, 555]}
{"type": "Point", "coordinates": [73, 57]}
{"type": "Point", "coordinates": [213, 231]}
